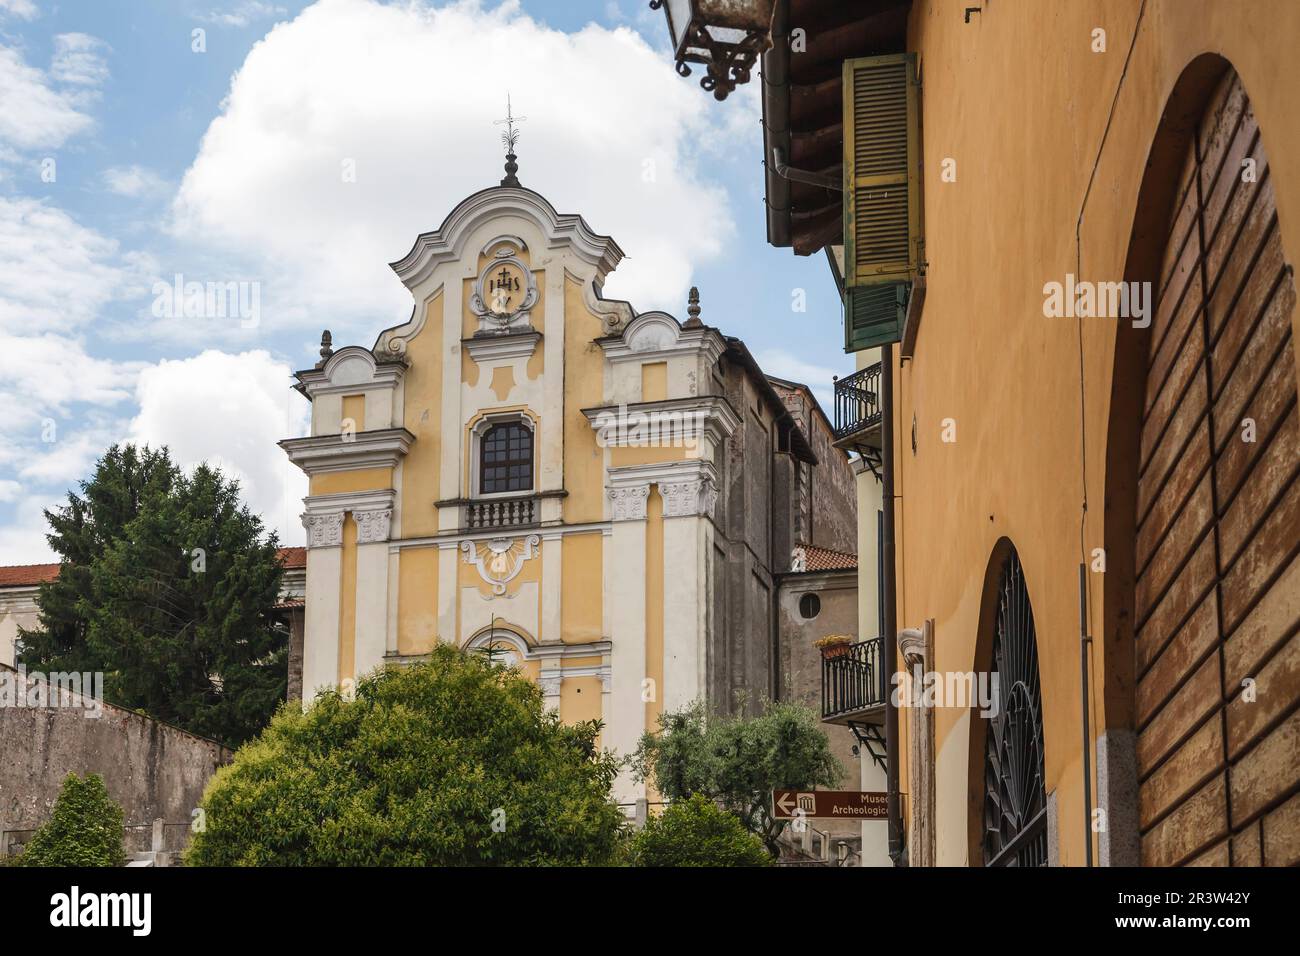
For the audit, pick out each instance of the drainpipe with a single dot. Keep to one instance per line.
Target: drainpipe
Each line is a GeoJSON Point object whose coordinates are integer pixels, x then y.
{"type": "Point", "coordinates": [1087, 735]}
{"type": "Point", "coordinates": [888, 599]}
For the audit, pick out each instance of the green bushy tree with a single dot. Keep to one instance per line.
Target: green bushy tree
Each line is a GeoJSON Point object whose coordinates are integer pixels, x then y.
{"type": "Point", "coordinates": [84, 829]}
{"type": "Point", "coordinates": [166, 584]}
{"type": "Point", "coordinates": [696, 832]}
{"type": "Point", "coordinates": [738, 761]}
{"type": "Point", "coordinates": [444, 762]}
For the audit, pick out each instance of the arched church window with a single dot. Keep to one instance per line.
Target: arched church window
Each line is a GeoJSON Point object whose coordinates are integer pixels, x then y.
{"type": "Point", "coordinates": [1015, 797]}
{"type": "Point", "coordinates": [506, 459]}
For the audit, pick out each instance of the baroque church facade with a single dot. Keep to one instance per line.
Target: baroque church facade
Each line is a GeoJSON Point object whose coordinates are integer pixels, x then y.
{"type": "Point", "coordinates": [606, 499]}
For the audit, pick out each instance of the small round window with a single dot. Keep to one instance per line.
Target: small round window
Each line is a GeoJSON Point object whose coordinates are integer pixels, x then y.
{"type": "Point", "coordinates": [810, 605]}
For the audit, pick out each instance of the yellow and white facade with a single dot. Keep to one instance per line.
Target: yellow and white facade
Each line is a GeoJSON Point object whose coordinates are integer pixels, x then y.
{"type": "Point", "coordinates": [594, 572]}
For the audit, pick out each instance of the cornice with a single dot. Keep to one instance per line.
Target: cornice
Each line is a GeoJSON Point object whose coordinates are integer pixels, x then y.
{"type": "Point", "coordinates": [321, 381]}
{"type": "Point", "coordinates": [501, 348]}
{"type": "Point", "coordinates": [654, 336]}
{"type": "Point", "coordinates": [616, 427]}
{"type": "Point", "coordinates": [324, 454]}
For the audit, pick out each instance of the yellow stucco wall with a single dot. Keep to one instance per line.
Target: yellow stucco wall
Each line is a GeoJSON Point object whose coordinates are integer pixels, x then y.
{"type": "Point", "coordinates": [1020, 101]}
{"type": "Point", "coordinates": [580, 699]}
{"type": "Point", "coordinates": [417, 602]}
{"type": "Point", "coordinates": [654, 606]}
{"type": "Point", "coordinates": [654, 381]}
{"type": "Point", "coordinates": [348, 601]}
{"type": "Point", "coordinates": [340, 482]}
{"type": "Point", "coordinates": [584, 471]}
{"type": "Point", "coordinates": [581, 604]}
{"type": "Point", "coordinates": [354, 409]}
{"type": "Point", "coordinates": [422, 385]}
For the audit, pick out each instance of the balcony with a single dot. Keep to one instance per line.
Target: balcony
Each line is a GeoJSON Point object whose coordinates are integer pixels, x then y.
{"type": "Point", "coordinates": [853, 685]}
{"type": "Point", "coordinates": [857, 411]}
{"type": "Point", "coordinates": [491, 513]}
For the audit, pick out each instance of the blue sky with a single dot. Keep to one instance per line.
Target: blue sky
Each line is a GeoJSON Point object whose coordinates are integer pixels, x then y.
{"type": "Point", "coordinates": [128, 157]}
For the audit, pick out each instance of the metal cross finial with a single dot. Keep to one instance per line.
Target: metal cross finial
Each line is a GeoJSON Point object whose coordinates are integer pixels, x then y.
{"type": "Point", "coordinates": [508, 139]}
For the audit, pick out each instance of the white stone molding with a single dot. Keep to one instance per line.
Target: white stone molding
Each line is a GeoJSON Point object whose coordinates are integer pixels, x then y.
{"type": "Point", "coordinates": [499, 348]}
{"type": "Point", "coordinates": [685, 498]}
{"type": "Point", "coordinates": [689, 487]}
{"type": "Point", "coordinates": [349, 369]}
{"type": "Point", "coordinates": [550, 684]}
{"type": "Point", "coordinates": [323, 454]}
{"type": "Point", "coordinates": [499, 560]}
{"type": "Point", "coordinates": [614, 314]}
{"type": "Point", "coordinates": [323, 518]}
{"type": "Point", "coordinates": [518, 319]}
{"type": "Point", "coordinates": [655, 336]}
{"type": "Point", "coordinates": [677, 422]}
{"type": "Point", "coordinates": [324, 530]}
{"type": "Point", "coordinates": [373, 526]}
{"type": "Point", "coordinates": [448, 242]}
{"type": "Point", "coordinates": [628, 503]}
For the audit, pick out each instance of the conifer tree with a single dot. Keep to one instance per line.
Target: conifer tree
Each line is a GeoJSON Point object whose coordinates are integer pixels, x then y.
{"type": "Point", "coordinates": [167, 584]}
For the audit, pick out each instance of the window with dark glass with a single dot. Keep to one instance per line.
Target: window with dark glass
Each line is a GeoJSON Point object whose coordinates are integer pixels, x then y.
{"type": "Point", "coordinates": [506, 459]}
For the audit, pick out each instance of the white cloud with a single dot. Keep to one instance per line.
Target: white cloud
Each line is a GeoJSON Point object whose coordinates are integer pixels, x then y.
{"type": "Point", "coordinates": [409, 94]}
{"type": "Point", "coordinates": [9, 490]}
{"type": "Point", "coordinates": [50, 372]}
{"type": "Point", "coordinates": [242, 14]}
{"type": "Point", "coordinates": [33, 113]}
{"type": "Point", "coordinates": [229, 411]}
{"type": "Point", "coordinates": [23, 9]}
{"type": "Point", "coordinates": [133, 181]}
{"type": "Point", "coordinates": [22, 536]}
{"type": "Point", "coordinates": [66, 461]}
{"type": "Point", "coordinates": [57, 274]}
{"type": "Point", "coordinates": [78, 60]}
{"type": "Point", "coordinates": [818, 378]}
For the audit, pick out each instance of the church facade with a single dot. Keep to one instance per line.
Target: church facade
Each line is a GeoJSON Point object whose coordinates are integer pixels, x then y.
{"type": "Point", "coordinates": [603, 498]}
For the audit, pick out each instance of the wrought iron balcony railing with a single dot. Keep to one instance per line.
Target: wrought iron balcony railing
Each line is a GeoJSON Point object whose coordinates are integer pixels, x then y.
{"type": "Point", "coordinates": [501, 513]}
{"type": "Point", "coordinates": [857, 403]}
{"type": "Point", "coordinates": [853, 683]}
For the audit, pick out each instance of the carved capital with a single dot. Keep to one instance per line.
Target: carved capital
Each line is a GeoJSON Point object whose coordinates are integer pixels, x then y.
{"type": "Point", "coordinates": [373, 526]}
{"type": "Point", "coordinates": [628, 503]}
{"type": "Point", "coordinates": [912, 644]}
{"type": "Point", "coordinates": [683, 498]}
{"type": "Point", "coordinates": [324, 530]}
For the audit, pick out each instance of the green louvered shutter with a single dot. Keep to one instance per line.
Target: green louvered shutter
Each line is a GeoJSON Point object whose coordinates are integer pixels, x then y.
{"type": "Point", "coordinates": [883, 244]}
{"type": "Point", "coordinates": [873, 314]}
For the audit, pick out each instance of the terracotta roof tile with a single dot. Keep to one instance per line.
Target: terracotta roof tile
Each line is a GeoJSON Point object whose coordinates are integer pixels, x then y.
{"type": "Point", "coordinates": [26, 575]}
{"type": "Point", "coordinates": [808, 557]}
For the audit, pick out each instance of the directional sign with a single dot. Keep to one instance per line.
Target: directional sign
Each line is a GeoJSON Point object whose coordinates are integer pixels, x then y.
{"type": "Point", "coordinates": [840, 804]}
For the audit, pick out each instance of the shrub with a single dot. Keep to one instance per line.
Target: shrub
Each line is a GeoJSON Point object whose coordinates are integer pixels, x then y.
{"type": "Point", "coordinates": [695, 832]}
{"type": "Point", "coordinates": [738, 761]}
{"type": "Point", "coordinates": [452, 761]}
{"type": "Point", "coordinates": [85, 828]}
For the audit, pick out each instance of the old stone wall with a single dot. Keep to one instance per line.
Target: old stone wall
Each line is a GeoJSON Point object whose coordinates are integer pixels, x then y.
{"type": "Point", "coordinates": [801, 662]}
{"type": "Point", "coordinates": [153, 770]}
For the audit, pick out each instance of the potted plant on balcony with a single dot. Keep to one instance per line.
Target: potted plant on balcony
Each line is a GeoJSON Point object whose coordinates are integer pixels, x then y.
{"type": "Point", "coordinates": [834, 645]}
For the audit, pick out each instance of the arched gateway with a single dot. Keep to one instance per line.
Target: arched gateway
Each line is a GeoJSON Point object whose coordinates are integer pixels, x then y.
{"type": "Point", "coordinates": [1215, 534]}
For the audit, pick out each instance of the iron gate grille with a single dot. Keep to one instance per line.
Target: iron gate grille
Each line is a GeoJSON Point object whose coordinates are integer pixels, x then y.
{"type": "Point", "coordinates": [1015, 799]}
